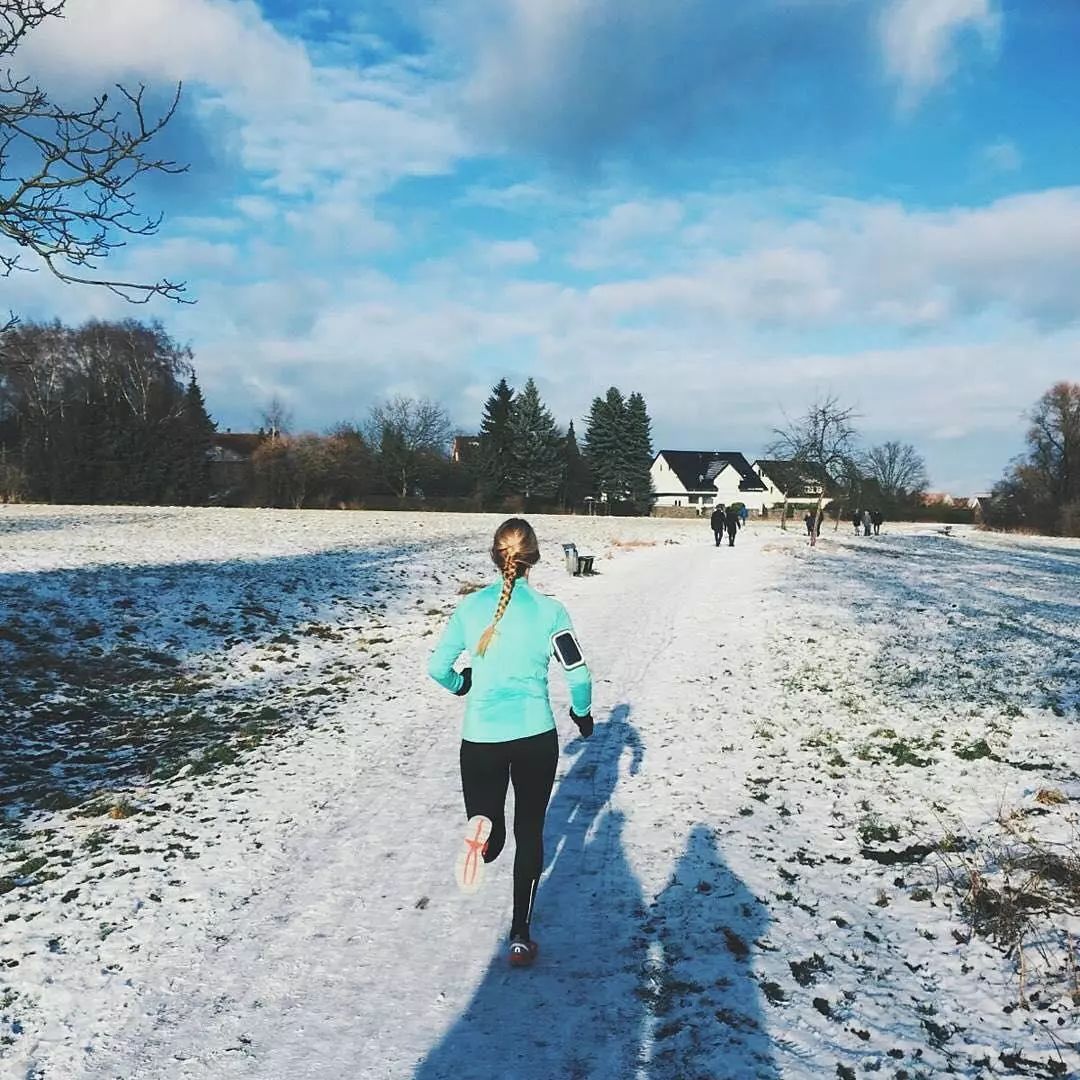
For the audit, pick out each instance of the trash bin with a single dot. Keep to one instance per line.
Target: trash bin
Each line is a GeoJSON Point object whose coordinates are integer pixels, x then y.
{"type": "Point", "coordinates": [570, 551]}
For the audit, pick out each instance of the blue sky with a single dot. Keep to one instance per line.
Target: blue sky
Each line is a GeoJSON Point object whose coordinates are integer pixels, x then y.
{"type": "Point", "coordinates": [730, 207]}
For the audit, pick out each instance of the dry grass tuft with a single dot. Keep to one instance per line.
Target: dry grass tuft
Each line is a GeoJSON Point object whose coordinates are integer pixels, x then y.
{"type": "Point", "coordinates": [1021, 892]}
{"type": "Point", "coordinates": [467, 587]}
{"type": "Point", "coordinates": [1051, 797]}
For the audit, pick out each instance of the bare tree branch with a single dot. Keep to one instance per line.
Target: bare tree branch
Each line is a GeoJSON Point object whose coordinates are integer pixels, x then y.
{"type": "Point", "coordinates": [68, 175]}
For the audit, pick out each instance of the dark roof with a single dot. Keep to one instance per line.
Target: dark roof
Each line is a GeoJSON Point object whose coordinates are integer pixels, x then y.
{"type": "Point", "coordinates": [795, 478]}
{"type": "Point", "coordinates": [696, 469]}
{"type": "Point", "coordinates": [243, 443]}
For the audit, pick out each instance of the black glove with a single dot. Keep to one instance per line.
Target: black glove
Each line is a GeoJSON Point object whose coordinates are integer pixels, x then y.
{"type": "Point", "coordinates": [466, 683]}
{"type": "Point", "coordinates": [584, 723]}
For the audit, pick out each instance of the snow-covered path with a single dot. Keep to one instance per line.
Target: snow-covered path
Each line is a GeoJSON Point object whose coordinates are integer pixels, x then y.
{"type": "Point", "coordinates": [747, 864]}
{"type": "Point", "coordinates": [334, 970]}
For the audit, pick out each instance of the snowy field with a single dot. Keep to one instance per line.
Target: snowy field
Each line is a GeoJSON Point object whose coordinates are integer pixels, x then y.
{"type": "Point", "coordinates": [827, 826]}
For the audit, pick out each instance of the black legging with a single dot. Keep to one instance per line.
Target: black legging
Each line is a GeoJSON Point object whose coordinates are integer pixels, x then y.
{"type": "Point", "coordinates": [486, 769]}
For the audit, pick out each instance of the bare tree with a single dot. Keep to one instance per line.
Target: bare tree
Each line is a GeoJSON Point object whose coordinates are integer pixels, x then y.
{"type": "Point", "coordinates": [1042, 488]}
{"type": "Point", "coordinates": [823, 440]}
{"type": "Point", "coordinates": [277, 418]}
{"type": "Point", "coordinates": [1054, 442]}
{"type": "Point", "coordinates": [404, 432]}
{"type": "Point", "coordinates": [67, 175]}
{"type": "Point", "coordinates": [898, 468]}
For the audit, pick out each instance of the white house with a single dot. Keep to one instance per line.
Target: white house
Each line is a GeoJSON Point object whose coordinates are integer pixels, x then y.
{"type": "Point", "coordinates": [798, 482]}
{"type": "Point", "coordinates": [697, 479]}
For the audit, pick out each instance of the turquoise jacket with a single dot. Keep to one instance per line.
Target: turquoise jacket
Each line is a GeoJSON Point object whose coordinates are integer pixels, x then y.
{"type": "Point", "coordinates": [509, 695]}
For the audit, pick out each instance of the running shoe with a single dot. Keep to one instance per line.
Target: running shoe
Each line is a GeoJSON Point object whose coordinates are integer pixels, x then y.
{"type": "Point", "coordinates": [522, 952]}
{"type": "Point", "coordinates": [469, 861]}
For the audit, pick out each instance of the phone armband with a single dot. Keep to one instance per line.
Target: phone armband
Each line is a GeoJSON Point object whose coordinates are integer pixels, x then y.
{"type": "Point", "coordinates": [567, 650]}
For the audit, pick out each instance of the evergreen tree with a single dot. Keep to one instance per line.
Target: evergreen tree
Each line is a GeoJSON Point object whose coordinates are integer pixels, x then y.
{"type": "Point", "coordinates": [195, 432]}
{"type": "Point", "coordinates": [577, 481]}
{"type": "Point", "coordinates": [639, 454]}
{"type": "Point", "coordinates": [496, 444]}
{"type": "Point", "coordinates": [605, 446]}
{"type": "Point", "coordinates": [537, 454]}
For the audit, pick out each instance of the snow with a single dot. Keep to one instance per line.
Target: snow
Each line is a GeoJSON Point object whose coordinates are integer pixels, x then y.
{"type": "Point", "coordinates": [731, 886]}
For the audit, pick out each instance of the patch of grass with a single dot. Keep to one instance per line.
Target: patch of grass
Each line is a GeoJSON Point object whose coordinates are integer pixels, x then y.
{"type": "Point", "coordinates": [94, 808]}
{"type": "Point", "coordinates": [974, 751]}
{"type": "Point", "coordinates": [872, 831]}
{"type": "Point", "coordinates": [223, 754]}
{"type": "Point", "coordinates": [96, 840]}
{"type": "Point", "coordinates": [30, 867]}
{"type": "Point", "coordinates": [806, 972]}
{"type": "Point", "coordinates": [736, 945]}
{"type": "Point", "coordinates": [904, 753]}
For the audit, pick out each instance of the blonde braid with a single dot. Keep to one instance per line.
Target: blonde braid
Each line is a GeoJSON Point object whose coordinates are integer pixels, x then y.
{"type": "Point", "coordinates": [510, 576]}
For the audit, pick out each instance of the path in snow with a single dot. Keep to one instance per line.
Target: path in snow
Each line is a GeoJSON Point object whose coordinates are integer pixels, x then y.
{"type": "Point", "coordinates": [333, 970]}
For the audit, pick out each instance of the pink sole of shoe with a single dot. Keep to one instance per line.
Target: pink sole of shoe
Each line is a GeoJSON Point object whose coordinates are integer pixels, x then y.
{"type": "Point", "coordinates": [469, 862]}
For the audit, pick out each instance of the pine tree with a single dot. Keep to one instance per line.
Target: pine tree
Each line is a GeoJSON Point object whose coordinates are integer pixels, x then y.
{"type": "Point", "coordinates": [577, 480]}
{"type": "Point", "coordinates": [496, 443]}
{"type": "Point", "coordinates": [537, 459]}
{"type": "Point", "coordinates": [605, 446]}
{"type": "Point", "coordinates": [639, 452]}
{"type": "Point", "coordinates": [196, 431]}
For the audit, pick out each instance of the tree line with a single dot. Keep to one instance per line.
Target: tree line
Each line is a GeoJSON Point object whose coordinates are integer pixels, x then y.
{"type": "Point", "coordinates": [112, 412]}
{"type": "Point", "coordinates": [106, 412]}
{"type": "Point", "coordinates": [520, 459]}
{"type": "Point", "coordinates": [1040, 490]}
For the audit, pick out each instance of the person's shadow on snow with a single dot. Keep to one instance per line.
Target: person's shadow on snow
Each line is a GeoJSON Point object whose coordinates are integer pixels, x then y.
{"type": "Point", "coordinates": [709, 1020]}
{"type": "Point", "coordinates": [608, 977]}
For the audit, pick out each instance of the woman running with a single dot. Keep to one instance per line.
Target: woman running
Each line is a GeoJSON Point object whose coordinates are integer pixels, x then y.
{"type": "Point", "coordinates": [511, 632]}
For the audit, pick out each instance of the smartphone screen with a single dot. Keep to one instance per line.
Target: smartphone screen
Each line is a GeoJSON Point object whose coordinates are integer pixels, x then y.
{"type": "Point", "coordinates": [567, 650]}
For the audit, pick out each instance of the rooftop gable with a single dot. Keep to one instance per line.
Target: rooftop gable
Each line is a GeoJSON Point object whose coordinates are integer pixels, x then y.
{"type": "Point", "coordinates": [697, 469]}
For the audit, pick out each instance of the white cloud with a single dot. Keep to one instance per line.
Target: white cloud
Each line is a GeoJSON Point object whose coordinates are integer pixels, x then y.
{"type": "Point", "coordinates": [225, 45]}
{"type": "Point", "coordinates": [339, 224]}
{"type": "Point", "coordinates": [508, 253]}
{"type": "Point", "coordinates": [615, 236]}
{"type": "Point", "coordinates": [298, 121]}
{"type": "Point", "coordinates": [1003, 155]}
{"type": "Point", "coordinates": [920, 40]}
{"type": "Point", "coordinates": [519, 196]}
{"type": "Point", "coordinates": [852, 263]}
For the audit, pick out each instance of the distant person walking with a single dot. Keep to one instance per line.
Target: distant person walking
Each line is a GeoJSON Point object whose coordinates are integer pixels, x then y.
{"type": "Point", "coordinates": [716, 522]}
{"type": "Point", "coordinates": [509, 735]}
{"type": "Point", "coordinates": [878, 519]}
{"type": "Point", "coordinates": [856, 520]}
{"type": "Point", "coordinates": [867, 524]}
{"type": "Point", "coordinates": [731, 519]}
{"type": "Point", "coordinates": [744, 515]}
{"type": "Point", "coordinates": [808, 521]}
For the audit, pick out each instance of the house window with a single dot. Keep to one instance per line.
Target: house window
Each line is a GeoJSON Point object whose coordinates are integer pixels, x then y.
{"type": "Point", "coordinates": [707, 500]}
{"type": "Point", "coordinates": [693, 499]}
